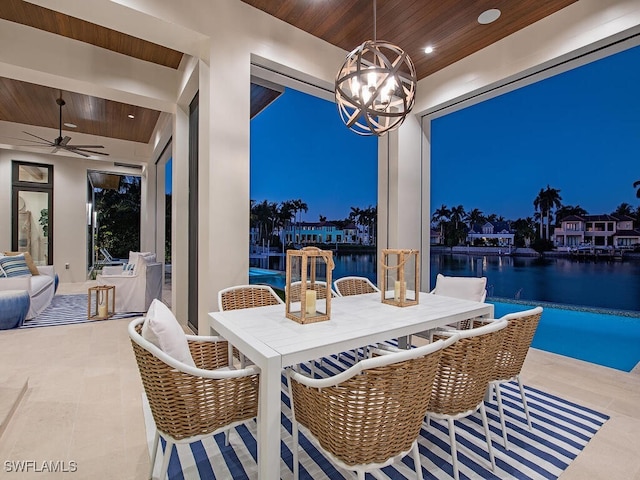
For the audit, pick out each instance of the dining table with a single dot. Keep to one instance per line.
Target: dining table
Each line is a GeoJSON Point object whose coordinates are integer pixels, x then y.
{"type": "Point", "coordinates": [272, 342]}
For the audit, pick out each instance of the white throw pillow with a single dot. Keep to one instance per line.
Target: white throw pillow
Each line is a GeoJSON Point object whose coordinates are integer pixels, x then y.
{"type": "Point", "coordinates": [466, 288]}
{"type": "Point", "coordinates": [163, 330]}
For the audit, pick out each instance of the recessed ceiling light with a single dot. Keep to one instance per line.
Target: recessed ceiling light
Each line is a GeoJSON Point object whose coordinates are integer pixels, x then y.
{"type": "Point", "coordinates": [428, 49]}
{"type": "Point", "coordinates": [489, 16]}
{"type": "Point", "coordinates": [131, 115]}
{"type": "Point", "coordinates": [71, 125]}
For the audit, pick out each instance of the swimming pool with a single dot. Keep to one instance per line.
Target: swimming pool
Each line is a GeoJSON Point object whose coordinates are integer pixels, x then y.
{"type": "Point", "coordinates": [609, 338]}
{"type": "Point", "coordinates": [606, 337]}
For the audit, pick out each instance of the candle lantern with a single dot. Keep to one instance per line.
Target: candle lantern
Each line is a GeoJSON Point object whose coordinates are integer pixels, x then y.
{"type": "Point", "coordinates": [308, 285]}
{"type": "Point", "coordinates": [400, 277]}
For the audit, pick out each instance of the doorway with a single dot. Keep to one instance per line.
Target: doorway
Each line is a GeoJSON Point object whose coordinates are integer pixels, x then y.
{"type": "Point", "coordinates": [32, 211]}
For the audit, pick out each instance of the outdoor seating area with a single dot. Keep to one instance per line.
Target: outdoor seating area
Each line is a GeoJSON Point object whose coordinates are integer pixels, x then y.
{"type": "Point", "coordinates": [250, 240]}
{"type": "Point", "coordinates": [540, 370]}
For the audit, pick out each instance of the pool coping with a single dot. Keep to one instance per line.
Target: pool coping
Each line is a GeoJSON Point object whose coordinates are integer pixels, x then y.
{"type": "Point", "coordinates": [564, 306]}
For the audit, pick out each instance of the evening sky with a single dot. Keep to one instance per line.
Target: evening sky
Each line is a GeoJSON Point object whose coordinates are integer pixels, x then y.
{"type": "Point", "coordinates": [578, 132]}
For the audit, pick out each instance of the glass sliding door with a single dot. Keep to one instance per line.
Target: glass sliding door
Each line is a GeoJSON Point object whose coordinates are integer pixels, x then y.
{"type": "Point", "coordinates": [32, 211]}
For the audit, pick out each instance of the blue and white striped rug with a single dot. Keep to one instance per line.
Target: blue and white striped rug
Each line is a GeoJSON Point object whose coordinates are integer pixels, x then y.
{"type": "Point", "coordinates": [67, 310]}
{"type": "Point", "coordinates": [561, 430]}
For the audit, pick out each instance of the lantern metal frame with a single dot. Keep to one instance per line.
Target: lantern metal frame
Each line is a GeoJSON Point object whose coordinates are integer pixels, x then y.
{"type": "Point", "coordinates": [399, 295]}
{"type": "Point", "coordinates": [305, 262]}
{"type": "Point", "coordinates": [375, 88]}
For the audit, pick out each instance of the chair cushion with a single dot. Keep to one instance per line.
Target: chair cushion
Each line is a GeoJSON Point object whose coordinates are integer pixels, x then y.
{"type": "Point", "coordinates": [465, 288]}
{"type": "Point", "coordinates": [28, 258]}
{"type": "Point", "coordinates": [14, 266]}
{"type": "Point", "coordinates": [163, 330]}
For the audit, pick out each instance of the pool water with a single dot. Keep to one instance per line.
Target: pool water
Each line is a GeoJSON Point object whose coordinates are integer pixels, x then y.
{"type": "Point", "coordinates": [606, 338]}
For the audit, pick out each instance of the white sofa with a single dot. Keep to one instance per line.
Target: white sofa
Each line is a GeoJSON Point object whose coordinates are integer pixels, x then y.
{"type": "Point", "coordinates": [136, 291]}
{"type": "Point", "coordinates": [41, 288]}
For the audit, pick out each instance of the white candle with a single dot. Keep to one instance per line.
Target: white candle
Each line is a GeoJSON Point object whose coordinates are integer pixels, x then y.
{"type": "Point", "coordinates": [398, 287]}
{"type": "Point", "coordinates": [102, 310]}
{"type": "Point", "coordinates": [310, 299]}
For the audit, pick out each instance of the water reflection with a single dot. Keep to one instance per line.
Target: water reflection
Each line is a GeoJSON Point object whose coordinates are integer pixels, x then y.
{"type": "Point", "coordinates": [610, 285]}
{"type": "Point", "coordinates": [614, 285]}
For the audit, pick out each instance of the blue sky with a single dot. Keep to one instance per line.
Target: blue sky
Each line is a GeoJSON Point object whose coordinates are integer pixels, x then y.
{"type": "Point", "coordinates": [301, 149]}
{"type": "Point", "coordinates": [578, 132]}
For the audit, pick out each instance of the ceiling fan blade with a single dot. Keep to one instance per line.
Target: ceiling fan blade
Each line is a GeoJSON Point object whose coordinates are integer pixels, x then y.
{"type": "Point", "coordinates": [37, 143]}
{"type": "Point", "coordinates": [85, 146]}
{"type": "Point", "coordinates": [64, 141]}
{"type": "Point", "coordinates": [43, 139]}
{"type": "Point", "coordinates": [76, 150]}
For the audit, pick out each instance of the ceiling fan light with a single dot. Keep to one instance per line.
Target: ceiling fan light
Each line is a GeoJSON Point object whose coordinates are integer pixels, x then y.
{"type": "Point", "coordinates": [70, 125]}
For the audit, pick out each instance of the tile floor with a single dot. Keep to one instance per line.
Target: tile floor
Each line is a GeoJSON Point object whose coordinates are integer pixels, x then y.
{"type": "Point", "coordinates": [84, 404]}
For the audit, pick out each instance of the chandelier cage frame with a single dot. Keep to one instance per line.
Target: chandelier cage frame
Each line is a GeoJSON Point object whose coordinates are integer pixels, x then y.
{"type": "Point", "coordinates": [376, 86]}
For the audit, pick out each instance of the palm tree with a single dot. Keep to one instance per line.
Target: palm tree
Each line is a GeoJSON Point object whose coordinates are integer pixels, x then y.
{"type": "Point", "coordinates": [546, 201]}
{"type": "Point", "coordinates": [322, 218]}
{"type": "Point", "coordinates": [567, 210]}
{"type": "Point", "coordinates": [371, 219]}
{"type": "Point", "coordinates": [440, 217]}
{"type": "Point", "coordinates": [636, 185]}
{"type": "Point", "coordinates": [624, 209]}
{"type": "Point", "coordinates": [286, 214]}
{"type": "Point", "coordinates": [474, 217]}
{"type": "Point", "coordinates": [457, 214]}
{"type": "Point", "coordinates": [298, 207]}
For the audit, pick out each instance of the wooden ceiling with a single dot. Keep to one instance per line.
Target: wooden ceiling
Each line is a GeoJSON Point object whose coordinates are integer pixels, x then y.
{"type": "Point", "coordinates": [450, 26]}
{"type": "Point", "coordinates": [51, 21]}
{"type": "Point", "coordinates": [30, 104]}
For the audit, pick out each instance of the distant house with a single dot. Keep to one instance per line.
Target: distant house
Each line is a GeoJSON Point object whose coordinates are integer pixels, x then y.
{"type": "Point", "coordinates": [436, 237]}
{"type": "Point", "coordinates": [596, 230]}
{"type": "Point", "coordinates": [491, 233]}
{"type": "Point", "coordinates": [321, 232]}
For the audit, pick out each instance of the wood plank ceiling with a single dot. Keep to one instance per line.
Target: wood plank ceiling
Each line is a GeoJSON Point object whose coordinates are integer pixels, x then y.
{"type": "Point", "coordinates": [450, 26]}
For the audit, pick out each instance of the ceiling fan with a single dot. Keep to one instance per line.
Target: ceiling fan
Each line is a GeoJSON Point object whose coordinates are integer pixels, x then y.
{"type": "Point", "coordinates": [62, 143]}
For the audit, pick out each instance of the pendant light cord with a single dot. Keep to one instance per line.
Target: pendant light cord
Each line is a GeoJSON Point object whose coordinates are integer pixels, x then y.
{"type": "Point", "coordinates": [375, 36]}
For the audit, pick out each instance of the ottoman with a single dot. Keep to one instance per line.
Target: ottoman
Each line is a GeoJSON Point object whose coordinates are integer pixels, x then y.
{"type": "Point", "coordinates": [14, 306]}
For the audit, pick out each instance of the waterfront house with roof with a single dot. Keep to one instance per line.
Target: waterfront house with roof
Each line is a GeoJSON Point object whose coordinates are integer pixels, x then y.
{"type": "Point", "coordinates": [322, 232]}
{"type": "Point", "coordinates": [597, 230]}
{"type": "Point", "coordinates": [491, 233]}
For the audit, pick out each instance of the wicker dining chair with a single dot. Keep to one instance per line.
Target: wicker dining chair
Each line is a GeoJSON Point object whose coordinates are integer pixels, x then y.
{"type": "Point", "coordinates": [510, 357]}
{"type": "Point", "coordinates": [245, 296]}
{"type": "Point", "coordinates": [372, 413]}
{"type": "Point", "coordinates": [187, 403]}
{"type": "Point", "coordinates": [464, 288]}
{"type": "Point", "coordinates": [462, 379]}
{"type": "Point", "coordinates": [346, 286]}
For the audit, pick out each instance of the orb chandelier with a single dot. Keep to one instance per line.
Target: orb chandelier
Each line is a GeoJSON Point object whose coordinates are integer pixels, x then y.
{"type": "Point", "coordinates": [376, 86]}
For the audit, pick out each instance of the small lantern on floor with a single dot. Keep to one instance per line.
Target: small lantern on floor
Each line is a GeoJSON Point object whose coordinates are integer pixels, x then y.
{"type": "Point", "coordinates": [308, 299]}
{"type": "Point", "coordinates": [400, 277]}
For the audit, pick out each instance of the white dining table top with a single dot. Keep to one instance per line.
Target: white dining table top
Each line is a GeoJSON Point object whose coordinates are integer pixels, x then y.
{"type": "Point", "coordinates": [355, 321]}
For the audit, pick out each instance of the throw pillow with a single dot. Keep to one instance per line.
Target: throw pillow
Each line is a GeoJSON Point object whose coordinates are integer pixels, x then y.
{"type": "Point", "coordinates": [28, 258]}
{"type": "Point", "coordinates": [465, 288]}
{"type": "Point", "coordinates": [163, 330]}
{"type": "Point", "coordinates": [15, 266]}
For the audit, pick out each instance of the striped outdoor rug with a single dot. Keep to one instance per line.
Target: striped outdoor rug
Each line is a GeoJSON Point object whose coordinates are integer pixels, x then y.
{"type": "Point", "coordinates": [67, 310]}
{"type": "Point", "coordinates": [561, 430]}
